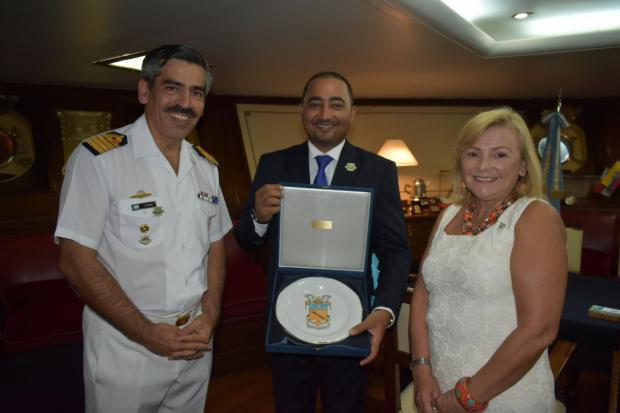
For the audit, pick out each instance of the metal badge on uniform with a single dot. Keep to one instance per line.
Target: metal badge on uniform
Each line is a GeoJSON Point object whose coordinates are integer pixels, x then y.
{"type": "Point", "coordinates": [144, 229]}
{"type": "Point", "coordinates": [351, 167]}
{"type": "Point", "coordinates": [158, 211]}
{"type": "Point", "coordinates": [209, 198]}
{"type": "Point", "coordinates": [141, 194]}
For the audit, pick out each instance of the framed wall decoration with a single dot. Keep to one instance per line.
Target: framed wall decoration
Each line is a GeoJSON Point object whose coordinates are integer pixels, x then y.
{"type": "Point", "coordinates": [76, 125]}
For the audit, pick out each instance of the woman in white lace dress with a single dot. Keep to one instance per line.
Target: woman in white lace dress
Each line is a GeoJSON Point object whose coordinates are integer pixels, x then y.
{"type": "Point", "coordinates": [488, 301]}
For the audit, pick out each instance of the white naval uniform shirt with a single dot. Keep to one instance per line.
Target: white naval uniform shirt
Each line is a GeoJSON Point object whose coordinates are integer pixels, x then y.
{"type": "Point", "coordinates": [167, 274]}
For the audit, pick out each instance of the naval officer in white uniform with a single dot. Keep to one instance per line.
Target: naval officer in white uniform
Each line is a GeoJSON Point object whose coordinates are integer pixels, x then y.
{"type": "Point", "coordinates": [141, 226]}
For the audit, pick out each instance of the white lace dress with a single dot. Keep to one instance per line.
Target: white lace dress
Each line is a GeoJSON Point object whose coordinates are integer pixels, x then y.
{"type": "Point", "coordinates": [472, 310]}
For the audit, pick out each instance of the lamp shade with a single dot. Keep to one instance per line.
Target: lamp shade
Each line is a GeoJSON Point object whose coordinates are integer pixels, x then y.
{"type": "Point", "coordinates": [397, 150]}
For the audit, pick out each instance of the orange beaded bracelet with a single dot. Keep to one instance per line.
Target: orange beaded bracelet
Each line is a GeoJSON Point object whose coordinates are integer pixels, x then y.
{"type": "Point", "coordinates": [461, 391]}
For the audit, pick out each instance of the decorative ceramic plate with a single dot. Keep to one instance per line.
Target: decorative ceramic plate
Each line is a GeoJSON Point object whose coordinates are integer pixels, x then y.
{"type": "Point", "coordinates": [318, 310]}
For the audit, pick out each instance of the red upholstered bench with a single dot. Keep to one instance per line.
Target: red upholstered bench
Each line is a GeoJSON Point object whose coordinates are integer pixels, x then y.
{"type": "Point", "coordinates": [39, 309]}
{"type": "Point", "coordinates": [37, 306]}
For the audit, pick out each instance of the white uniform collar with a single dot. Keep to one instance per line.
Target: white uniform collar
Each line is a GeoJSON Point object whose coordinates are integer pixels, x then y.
{"type": "Point", "coordinates": [142, 141]}
{"type": "Point", "coordinates": [143, 146]}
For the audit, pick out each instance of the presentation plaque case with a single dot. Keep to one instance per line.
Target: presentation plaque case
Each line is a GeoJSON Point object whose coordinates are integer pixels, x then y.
{"type": "Point", "coordinates": [320, 288]}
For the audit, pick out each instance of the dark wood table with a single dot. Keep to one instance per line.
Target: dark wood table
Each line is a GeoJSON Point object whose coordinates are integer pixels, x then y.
{"type": "Point", "coordinates": [419, 228]}
{"type": "Point", "coordinates": [596, 339]}
{"type": "Point", "coordinates": [581, 293]}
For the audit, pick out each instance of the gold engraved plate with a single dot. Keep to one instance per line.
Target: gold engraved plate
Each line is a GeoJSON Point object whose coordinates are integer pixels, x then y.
{"type": "Point", "coordinates": [322, 224]}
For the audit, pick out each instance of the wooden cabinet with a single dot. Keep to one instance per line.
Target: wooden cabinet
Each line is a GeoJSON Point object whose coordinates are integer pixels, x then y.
{"type": "Point", "coordinates": [419, 227]}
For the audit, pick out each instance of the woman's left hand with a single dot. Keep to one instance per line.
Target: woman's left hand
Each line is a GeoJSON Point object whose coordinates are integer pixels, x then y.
{"type": "Point", "coordinates": [447, 403]}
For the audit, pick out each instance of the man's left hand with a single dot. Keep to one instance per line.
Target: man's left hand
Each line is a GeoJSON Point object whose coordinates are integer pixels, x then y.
{"type": "Point", "coordinates": [199, 331]}
{"type": "Point", "coordinates": [376, 323]}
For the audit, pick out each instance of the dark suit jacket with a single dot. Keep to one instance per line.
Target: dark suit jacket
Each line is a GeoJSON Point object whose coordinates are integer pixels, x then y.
{"type": "Point", "coordinates": [388, 234]}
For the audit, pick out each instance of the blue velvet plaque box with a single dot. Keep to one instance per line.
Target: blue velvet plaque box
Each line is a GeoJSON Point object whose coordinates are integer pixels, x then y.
{"type": "Point", "coordinates": [321, 288]}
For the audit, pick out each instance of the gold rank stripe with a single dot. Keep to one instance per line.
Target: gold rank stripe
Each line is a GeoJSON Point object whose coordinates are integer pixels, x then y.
{"type": "Point", "coordinates": [206, 155]}
{"type": "Point", "coordinates": [102, 143]}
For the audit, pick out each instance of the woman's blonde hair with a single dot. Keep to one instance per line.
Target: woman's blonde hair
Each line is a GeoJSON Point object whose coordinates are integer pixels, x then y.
{"type": "Point", "coordinates": [529, 185]}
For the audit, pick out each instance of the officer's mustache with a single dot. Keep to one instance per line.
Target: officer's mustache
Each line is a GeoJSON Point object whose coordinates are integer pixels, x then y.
{"type": "Point", "coordinates": [181, 110]}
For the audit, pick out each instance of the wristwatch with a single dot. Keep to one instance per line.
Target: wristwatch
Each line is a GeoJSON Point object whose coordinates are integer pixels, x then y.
{"type": "Point", "coordinates": [255, 218]}
{"type": "Point", "coordinates": [419, 362]}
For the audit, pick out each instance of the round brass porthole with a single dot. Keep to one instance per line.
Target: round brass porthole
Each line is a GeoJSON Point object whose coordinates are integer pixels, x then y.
{"type": "Point", "coordinates": [573, 144]}
{"type": "Point", "coordinates": [17, 152]}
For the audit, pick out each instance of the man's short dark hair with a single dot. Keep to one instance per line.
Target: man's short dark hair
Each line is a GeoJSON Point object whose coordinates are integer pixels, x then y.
{"type": "Point", "coordinates": [334, 75]}
{"type": "Point", "coordinates": [156, 58]}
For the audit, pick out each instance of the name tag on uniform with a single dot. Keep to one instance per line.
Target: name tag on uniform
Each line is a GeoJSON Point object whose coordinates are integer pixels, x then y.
{"type": "Point", "coordinates": [143, 205]}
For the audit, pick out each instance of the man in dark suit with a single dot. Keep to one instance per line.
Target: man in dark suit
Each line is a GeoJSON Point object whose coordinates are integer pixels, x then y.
{"type": "Point", "coordinates": [327, 112]}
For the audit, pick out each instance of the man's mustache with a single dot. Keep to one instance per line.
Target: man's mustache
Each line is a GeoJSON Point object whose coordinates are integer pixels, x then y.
{"type": "Point", "coordinates": [181, 110]}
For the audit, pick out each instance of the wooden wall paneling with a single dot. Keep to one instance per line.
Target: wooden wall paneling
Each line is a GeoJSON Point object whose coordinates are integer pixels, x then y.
{"type": "Point", "coordinates": [26, 212]}
{"type": "Point", "coordinates": [590, 118]}
{"type": "Point", "coordinates": [607, 134]}
{"type": "Point", "coordinates": [31, 201]}
{"type": "Point", "coordinates": [220, 135]}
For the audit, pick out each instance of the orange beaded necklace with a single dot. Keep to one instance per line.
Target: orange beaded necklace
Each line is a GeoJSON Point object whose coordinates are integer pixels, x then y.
{"type": "Point", "coordinates": [467, 226]}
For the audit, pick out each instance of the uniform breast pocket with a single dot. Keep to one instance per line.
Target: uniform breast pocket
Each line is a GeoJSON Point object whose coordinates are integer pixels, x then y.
{"type": "Point", "coordinates": [207, 211]}
{"type": "Point", "coordinates": [141, 224]}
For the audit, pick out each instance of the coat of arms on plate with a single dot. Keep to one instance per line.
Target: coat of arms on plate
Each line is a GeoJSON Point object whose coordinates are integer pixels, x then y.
{"type": "Point", "coordinates": [318, 311]}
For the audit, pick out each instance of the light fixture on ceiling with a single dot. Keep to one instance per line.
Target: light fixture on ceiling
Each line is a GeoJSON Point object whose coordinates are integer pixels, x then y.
{"type": "Point", "coordinates": [522, 15]}
{"type": "Point", "coordinates": [397, 150]}
{"type": "Point", "coordinates": [476, 25]}
{"type": "Point", "coordinates": [129, 61]}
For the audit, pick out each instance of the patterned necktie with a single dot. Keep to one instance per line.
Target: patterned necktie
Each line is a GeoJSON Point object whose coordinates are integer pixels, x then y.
{"type": "Point", "coordinates": [322, 161]}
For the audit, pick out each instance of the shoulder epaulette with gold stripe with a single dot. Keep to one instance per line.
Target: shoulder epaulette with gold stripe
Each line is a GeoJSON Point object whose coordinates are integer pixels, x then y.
{"type": "Point", "coordinates": [106, 141]}
{"type": "Point", "coordinates": [206, 155]}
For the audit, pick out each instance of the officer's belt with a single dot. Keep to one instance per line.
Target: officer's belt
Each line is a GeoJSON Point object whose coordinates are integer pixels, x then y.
{"type": "Point", "coordinates": [178, 319]}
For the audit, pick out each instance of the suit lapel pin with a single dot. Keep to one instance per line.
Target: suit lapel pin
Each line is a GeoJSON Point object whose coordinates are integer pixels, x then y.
{"type": "Point", "coordinates": [350, 166]}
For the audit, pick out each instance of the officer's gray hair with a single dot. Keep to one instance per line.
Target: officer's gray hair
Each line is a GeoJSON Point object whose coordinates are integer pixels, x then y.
{"type": "Point", "coordinates": [156, 58]}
